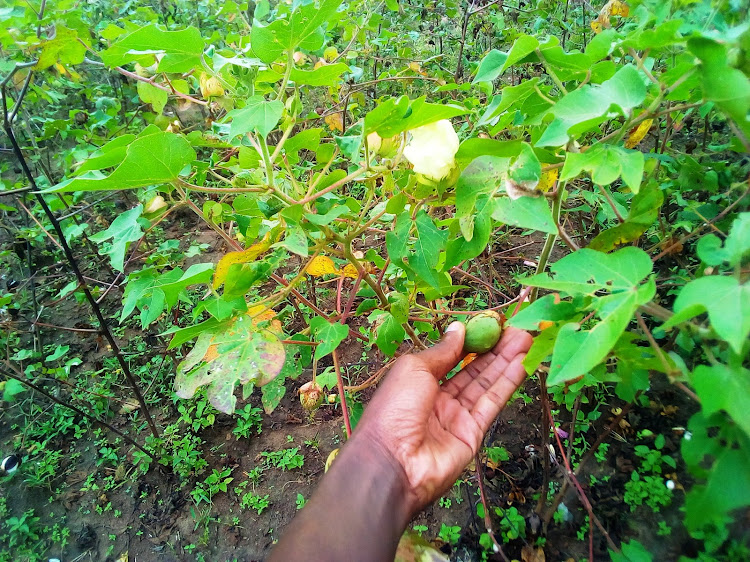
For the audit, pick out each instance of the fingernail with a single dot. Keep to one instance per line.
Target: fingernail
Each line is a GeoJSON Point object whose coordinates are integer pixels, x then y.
{"type": "Point", "coordinates": [453, 327]}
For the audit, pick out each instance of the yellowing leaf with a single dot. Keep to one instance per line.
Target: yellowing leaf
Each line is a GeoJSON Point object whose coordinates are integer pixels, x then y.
{"type": "Point", "coordinates": [547, 180]}
{"type": "Point", "coordinates": [349, 271]}
{"type": "Point", "coordinates": [260, 313]}
{"type": "Point", "coordinates": [596, 26]}
{"type": "Point", "coordinates": [245, 256]}
{"type": "Point", "coordinates": [321, 265]}
{"type": "Point", "coordinates": [416, 67]}
{"type": "Point", "coordinates": [637, 134]}
{"type": "Point", "coordinates": [335, 122]}
{"type": "Point", "coordinates": [330, 54]}
{"type": "Point", "coordinates": [468, 359]}
{"type": "Point", "coordinates": [619, 9]}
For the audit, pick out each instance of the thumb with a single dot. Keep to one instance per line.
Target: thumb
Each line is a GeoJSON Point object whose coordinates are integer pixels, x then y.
{"type": "Point", "coordinates": [443, 356]}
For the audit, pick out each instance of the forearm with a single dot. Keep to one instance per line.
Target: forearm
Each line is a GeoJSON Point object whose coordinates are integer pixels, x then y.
{"type": "Point", "coordinates": [358, 512]}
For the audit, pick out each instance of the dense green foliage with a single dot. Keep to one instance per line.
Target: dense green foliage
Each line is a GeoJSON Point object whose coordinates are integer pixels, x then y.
{"type": "Point", "coordinates": [391, 147]}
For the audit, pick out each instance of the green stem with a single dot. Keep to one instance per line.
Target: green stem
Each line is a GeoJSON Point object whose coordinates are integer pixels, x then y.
{"type": "Point", "coordinates": [551, 73]}
{"type": "Point", "coordinates": [287, 73]}
{"type": "Point", "coordinates": [549, 243]}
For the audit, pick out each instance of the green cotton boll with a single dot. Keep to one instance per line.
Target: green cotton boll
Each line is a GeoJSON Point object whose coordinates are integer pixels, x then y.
{"type": "Point", "coordinates": [483, 331]}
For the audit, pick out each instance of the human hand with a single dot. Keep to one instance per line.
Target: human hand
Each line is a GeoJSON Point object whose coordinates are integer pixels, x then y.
{"type": "Point", "coordinates": [431, 431]}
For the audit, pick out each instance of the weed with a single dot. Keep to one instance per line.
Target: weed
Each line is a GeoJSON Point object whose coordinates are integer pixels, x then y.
{"type": "Point", "coordinates": [450, 534]}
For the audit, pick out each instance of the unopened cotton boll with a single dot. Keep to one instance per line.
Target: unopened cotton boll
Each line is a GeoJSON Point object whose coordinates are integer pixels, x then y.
{"type": "Point", "coordinates": [432, 149]}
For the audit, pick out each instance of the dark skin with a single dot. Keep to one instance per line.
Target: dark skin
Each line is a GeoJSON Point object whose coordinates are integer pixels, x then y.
{"type": "Point", "coordinates": [415, 438]}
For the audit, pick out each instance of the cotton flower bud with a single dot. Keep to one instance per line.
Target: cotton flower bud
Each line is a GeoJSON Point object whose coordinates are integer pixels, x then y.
{"type": "Point", "coordinates": [154, 205]}
{"type": "Point", "coordinates": [210, 86]}
{"type": "Point", "coordinates": [386, 148]}
{"type": "Point", "coordinates": [311, 396]}
{"type": "Point", "coordinates": [145, 71]}
{"type": "Point", "coordinates": [432, 150]}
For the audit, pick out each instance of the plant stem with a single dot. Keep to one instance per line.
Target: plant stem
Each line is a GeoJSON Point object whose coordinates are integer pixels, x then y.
{"type": "Point", "coordinates": [342, 394]}
{"type": "Point", "coordinates": [549, 243]}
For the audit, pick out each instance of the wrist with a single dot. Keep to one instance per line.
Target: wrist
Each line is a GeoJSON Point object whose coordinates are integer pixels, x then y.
{"type": "Point", "coordinates": [372, 467]}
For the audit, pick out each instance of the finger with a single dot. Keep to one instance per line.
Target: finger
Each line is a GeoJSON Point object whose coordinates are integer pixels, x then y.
{"type": "Point", "coordinates": [442, 357]}
{"type": "Point", "coordinates": [488, 367]}
{"type": "Point", "coordinates": [489, 404]}
{"type": "Point", "coordinates": [513, 342]}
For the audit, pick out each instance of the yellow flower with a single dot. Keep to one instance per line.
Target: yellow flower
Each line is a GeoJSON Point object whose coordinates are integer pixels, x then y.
{"type": "Point", "coordinates": [432, 149]}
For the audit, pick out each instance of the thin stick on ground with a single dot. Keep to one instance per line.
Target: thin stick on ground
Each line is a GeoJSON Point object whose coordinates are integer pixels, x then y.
{"type": "Point", "coordinates": [77, 410]}
{"type": "Point", "coordinates": [483, 499]}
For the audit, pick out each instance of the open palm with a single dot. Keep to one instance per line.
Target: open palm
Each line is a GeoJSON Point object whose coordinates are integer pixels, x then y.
{"type": "Point", "coordinates": [432, 428]}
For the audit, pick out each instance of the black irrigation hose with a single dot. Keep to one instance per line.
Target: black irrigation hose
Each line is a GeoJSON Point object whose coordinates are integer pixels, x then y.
{"type": "Point", "coordinates": [103, 326]}
{"type": "Point", "coordinates": [77, 410]}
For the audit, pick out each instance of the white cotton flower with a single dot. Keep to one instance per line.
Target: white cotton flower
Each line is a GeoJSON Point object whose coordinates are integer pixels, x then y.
{"type": "Point", "coordinates": [432, 149]}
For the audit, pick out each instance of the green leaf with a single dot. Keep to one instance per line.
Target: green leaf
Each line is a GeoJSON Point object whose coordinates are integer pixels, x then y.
{"type": "Point", "coordinates": [272, 393]}
{"type": "Point", "coordinates": [496, 62]}
{"type": "Point", "coordinates": [462, 248]}
{"type": "Point", "coordinates": [491, 66]}
{"type": "Point", "coordinates": [309, 139]}
{"type": "Point", "coordinates": [644, 211]}
{"type": "Point", "coordinates": [728, 87]}
{"type": "Point", "coordinates": [123, 230]}
{"type": "Point", "coordinates": [620, 274]}
{"type": "Point", "coordinates": [154, 157]}
{"type": "Point", "coordinates": [180, 51]}
{"type": "Point", "coordinates": [12, 389]}
{"type": "Point", "coordinates": [259, 115]}
{"type": "Point", "coordinates": [396, 115]}
{"type": "Point", "coordinates": [525, 212]}
{"type": "Point", "coordinates": [231, 352]}
{"type": "Point", "coordinates": [592, 104]}
{"type": "Point", "coordinates": [619, 271]}
{"type": "Point", "coordinates": [482, 177]}
{"type": "Point", "coordinates": [473, 148]}
{"type": "Point", "coordinates": [726, 301]}
{"type": "Point", "coordinates": [387, 331]}
{"type": "Point", "coordinates": [722, 388]}
{"type": "Point", "coordinates": [108, 156]}
{"type": "Point", "coordinates": [64, 47]}
{"type": "Point", "coordinates": [423, 253]}
{"type": "Point", "coordinates": [544, 309]}
{"type": "Point", "coordinates": [736, 246]}
{"type": "Point", "coordinates": [523, 46]}
{"type": "Point", "coordinates": [511, 95]}
{"type": "Point", "coordinates": [632, 551]}
{"type": "Point", "coordinates": [328, 75]}
{"type": "Point", "coordinates": [605, 163]}
{"type": "Point", "coordinates": [153, 95]}
{"type": "Point", "coordinates": [525, 170]}
{"type": "Point", "coordinates": [304, 28]}
{"type": "Point", "coordinates": [152, 293]}
{"type": "Point", "coordinates": [576, 352]}
{"type": "Point", "coordinates": [328, 335]}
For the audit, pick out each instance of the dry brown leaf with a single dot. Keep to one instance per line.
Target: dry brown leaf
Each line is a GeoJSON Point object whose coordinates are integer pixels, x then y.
{"type": "Point", "coordinates": [531, 554]}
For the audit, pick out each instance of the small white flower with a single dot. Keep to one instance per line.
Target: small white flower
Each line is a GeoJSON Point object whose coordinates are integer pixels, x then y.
{"type": "Point", "coordinates": [688, 436]}
{"type": "Point", "coordinates": [670, 484]}
{"type": "Point", "coordinates": [432, 149]}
